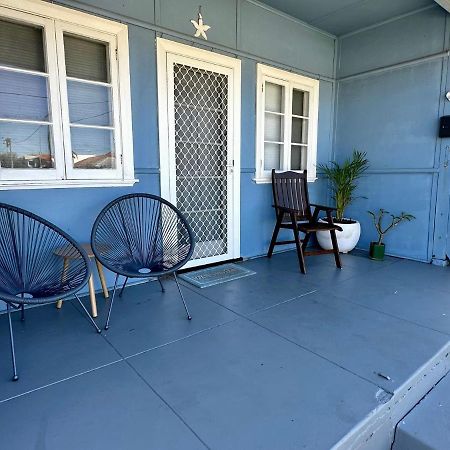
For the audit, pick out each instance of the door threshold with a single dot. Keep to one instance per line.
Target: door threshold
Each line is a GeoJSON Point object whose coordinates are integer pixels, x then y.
{"type": "Point", "coordinates": [215, 264]}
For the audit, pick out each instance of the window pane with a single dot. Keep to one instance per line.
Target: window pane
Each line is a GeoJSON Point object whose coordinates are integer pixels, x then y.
{"type": "Point", "coordinates": [25, 146]}
{"type": "Point", "coordinates": [89, 104]}
{"type": "Point", "coordinates": [300, 103]}
{"type": "Point", "coordinates": [21, 46]}
{"type": "Point", "coordinates": [299, 131]}
{"type": "Point", "coordinates": [23, 96]}
{"type": "Point", "coordinates": [273, 128]}
{"type": "Point", "coordinates": [86, 59]}
{"type": "Point", "coordinates": [298, 157]}
{"type": "Point", "coordinates": [272, 154]}
{"type": "Point", "coordinates": [274, 97]}
{"type": "Point", "coordinates": [93, 148]}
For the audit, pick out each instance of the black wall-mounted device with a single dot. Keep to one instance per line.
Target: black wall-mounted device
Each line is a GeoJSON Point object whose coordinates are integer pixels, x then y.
{"type": "Point", "coordinates": [444, 127]}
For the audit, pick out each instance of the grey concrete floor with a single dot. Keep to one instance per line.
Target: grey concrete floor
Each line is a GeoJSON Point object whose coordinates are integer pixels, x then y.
{"type": "Point", "coordinates": [278, 360]}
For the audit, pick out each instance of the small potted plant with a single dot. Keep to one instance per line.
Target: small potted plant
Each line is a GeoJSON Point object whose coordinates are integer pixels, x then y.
{"type": "Point", "coordinates": [377, 248]}
{"type": "Point", "coordinates": [343, 179]}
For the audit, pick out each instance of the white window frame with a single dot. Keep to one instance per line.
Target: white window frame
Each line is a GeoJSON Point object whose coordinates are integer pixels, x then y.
{"type": "Point", "coordinates": [289, 81]}
{"type": "Point", "coordinates": [55, 20]}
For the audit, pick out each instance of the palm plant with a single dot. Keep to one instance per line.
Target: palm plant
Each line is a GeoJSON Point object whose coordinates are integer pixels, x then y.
{"type": "Point", "coordinates": [343, 179]}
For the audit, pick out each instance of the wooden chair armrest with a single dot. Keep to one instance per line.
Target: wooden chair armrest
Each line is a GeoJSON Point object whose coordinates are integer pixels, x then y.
{"type": "Point", "coordinates": [285, 210]}
{"type": "Point", "coordinates": [323, 208]}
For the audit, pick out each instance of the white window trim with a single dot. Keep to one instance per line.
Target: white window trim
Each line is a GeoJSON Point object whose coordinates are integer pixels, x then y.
{"type": "Point", "coordinates": [44, 13]}
{"type": "Point", "coordinates": [289, 80]}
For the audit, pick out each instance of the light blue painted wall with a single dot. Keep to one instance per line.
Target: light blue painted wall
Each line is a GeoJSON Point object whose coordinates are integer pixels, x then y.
{"type": "Point", "coordinates": [240, 26]}
{"type": "Point", "coordinates": [274, 36]}
{"type": "Point", "coordinates": [401, 40]}
{"type": "Point", "coordinates": [393, 114]}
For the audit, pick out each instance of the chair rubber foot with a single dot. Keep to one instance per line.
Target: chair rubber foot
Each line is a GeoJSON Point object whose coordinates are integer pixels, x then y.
{"type": "Point", "coordinates": [99, 331]}
{"type": "Point", "coordinates": [106, 327]}
{"type": "Point", "coordinates": [15, 378]}
{"type": "Point", "coordinates": [189, 318]}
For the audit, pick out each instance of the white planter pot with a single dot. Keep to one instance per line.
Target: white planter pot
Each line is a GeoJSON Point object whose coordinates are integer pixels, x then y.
{"type": "Point", "coordinates": [347, 238]}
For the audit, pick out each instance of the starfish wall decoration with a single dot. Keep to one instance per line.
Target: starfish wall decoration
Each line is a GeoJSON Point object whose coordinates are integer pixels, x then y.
{"type": "Point", "coordinates": [200, 27]}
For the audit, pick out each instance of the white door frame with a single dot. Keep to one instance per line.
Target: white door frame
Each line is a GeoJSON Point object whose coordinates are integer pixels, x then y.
{"type": "Point", "coordinates": [166, 51]}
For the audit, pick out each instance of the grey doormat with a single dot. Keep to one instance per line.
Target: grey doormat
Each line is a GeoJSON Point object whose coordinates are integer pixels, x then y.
{"type": "Point", "coordinates": [216, 275]}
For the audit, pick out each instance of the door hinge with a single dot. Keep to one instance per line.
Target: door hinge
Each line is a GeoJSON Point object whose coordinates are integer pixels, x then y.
{"type": "Point", "coordinates": [117, 54]}
{"type": "Point", "coordinates": [262, 87]}
{"type": "Point", "coordinates": [121, 159]}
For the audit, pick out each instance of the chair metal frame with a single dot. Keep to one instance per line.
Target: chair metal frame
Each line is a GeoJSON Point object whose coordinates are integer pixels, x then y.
{"type": "Point", "coordinates": [21, 244]}
{"type": "Point", "coordinates": [97, 249]}
{"type": "Point", "coordinates": [293, 211]}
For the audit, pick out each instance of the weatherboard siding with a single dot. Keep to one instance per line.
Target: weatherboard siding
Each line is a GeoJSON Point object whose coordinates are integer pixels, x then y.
{"type": "Point", "coordinates": [75, 209]}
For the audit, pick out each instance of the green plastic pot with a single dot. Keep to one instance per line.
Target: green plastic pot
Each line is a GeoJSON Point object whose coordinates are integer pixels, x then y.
{"type": "Point", "coordinates": [376, 251]}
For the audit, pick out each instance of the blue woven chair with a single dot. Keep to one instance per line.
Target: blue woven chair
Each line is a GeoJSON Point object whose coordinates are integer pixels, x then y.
{"type": "Point", "coordinates": [142, 236]}
{"type": "Point", "coordinates": [31, 273]}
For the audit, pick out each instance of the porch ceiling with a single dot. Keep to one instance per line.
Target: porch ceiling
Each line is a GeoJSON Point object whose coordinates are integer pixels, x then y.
{"type": "Point", "coordinates": [344, 16]}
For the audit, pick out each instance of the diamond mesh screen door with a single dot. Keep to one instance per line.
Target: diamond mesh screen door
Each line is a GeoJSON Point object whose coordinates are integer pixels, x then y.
{"type": "Point", "coordinates": [201, 154]}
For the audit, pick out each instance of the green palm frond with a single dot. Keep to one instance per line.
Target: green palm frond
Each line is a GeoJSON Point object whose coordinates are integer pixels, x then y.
{"type": "Point", "coordinates": [343, 179]}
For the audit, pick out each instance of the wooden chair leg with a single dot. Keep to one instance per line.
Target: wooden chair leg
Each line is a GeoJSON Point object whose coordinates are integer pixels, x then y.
{"type": "Point", "coordinates": [276, 230]}
{"type": "Point", "coordinates": [337, 256]}
{"type": "Point", "coordinates": [101, 275]}
{"type": "Point", "coordinates": [305, 241]}
{"type": "Point", "coordinates": [64, 274]}
{"type": "Point", "coordinates": [92, 296]}
{"type": "Point", "coordinates": [301, 258]}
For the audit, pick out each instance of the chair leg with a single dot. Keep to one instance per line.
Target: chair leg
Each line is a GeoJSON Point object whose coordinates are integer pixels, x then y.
{"type": "Point", "coordinates": [337, 256]}
{"type": "Point", "coordinates": [276, 230]}
{"type": "Point", "coordinates": [182, 297]}
{"type": "Point", "coordinates": [87, 314]}
{"type": "Point", "coordinates": [11, 340]}
{"type": "Point", "coordinates": [162, 286]}
{"type": "Point", "coordinates": [301, 258]}
{"type": "Point", "coordinates": [63, 278]}
{"type": "Point", "coordinates": [305, 241]}
{"type": "Point", "coordinates": [123, 287]}
{"type": "Point", "coordinates": [101, 275]}
{"type": "Point", "coordinates": [112, 301]}
{"type": "Point", "coordinates": [92, 296]}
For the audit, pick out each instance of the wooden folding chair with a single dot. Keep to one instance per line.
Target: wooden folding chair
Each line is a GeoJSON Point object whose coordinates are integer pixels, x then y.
{"type": "Point", "coordinates": [293, 211]}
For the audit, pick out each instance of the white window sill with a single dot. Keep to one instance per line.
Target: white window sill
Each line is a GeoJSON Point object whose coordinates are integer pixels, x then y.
{"type": "Point", "coordinates": [269, 180]}
{"type": "Point", "coordinates": [58, 184]}
{"type": "Point", "coordinates": [262, 180]}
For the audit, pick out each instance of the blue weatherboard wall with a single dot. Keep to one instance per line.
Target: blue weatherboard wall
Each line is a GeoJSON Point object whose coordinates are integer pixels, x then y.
{"type": "Point", "coordinates": [392, 113]}
{"type": "Point", "coordinates": [258, 34]}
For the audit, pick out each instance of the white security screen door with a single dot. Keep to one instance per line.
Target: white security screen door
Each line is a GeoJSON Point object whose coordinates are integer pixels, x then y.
{"type": "Point", "coordinates": [199, 106]}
